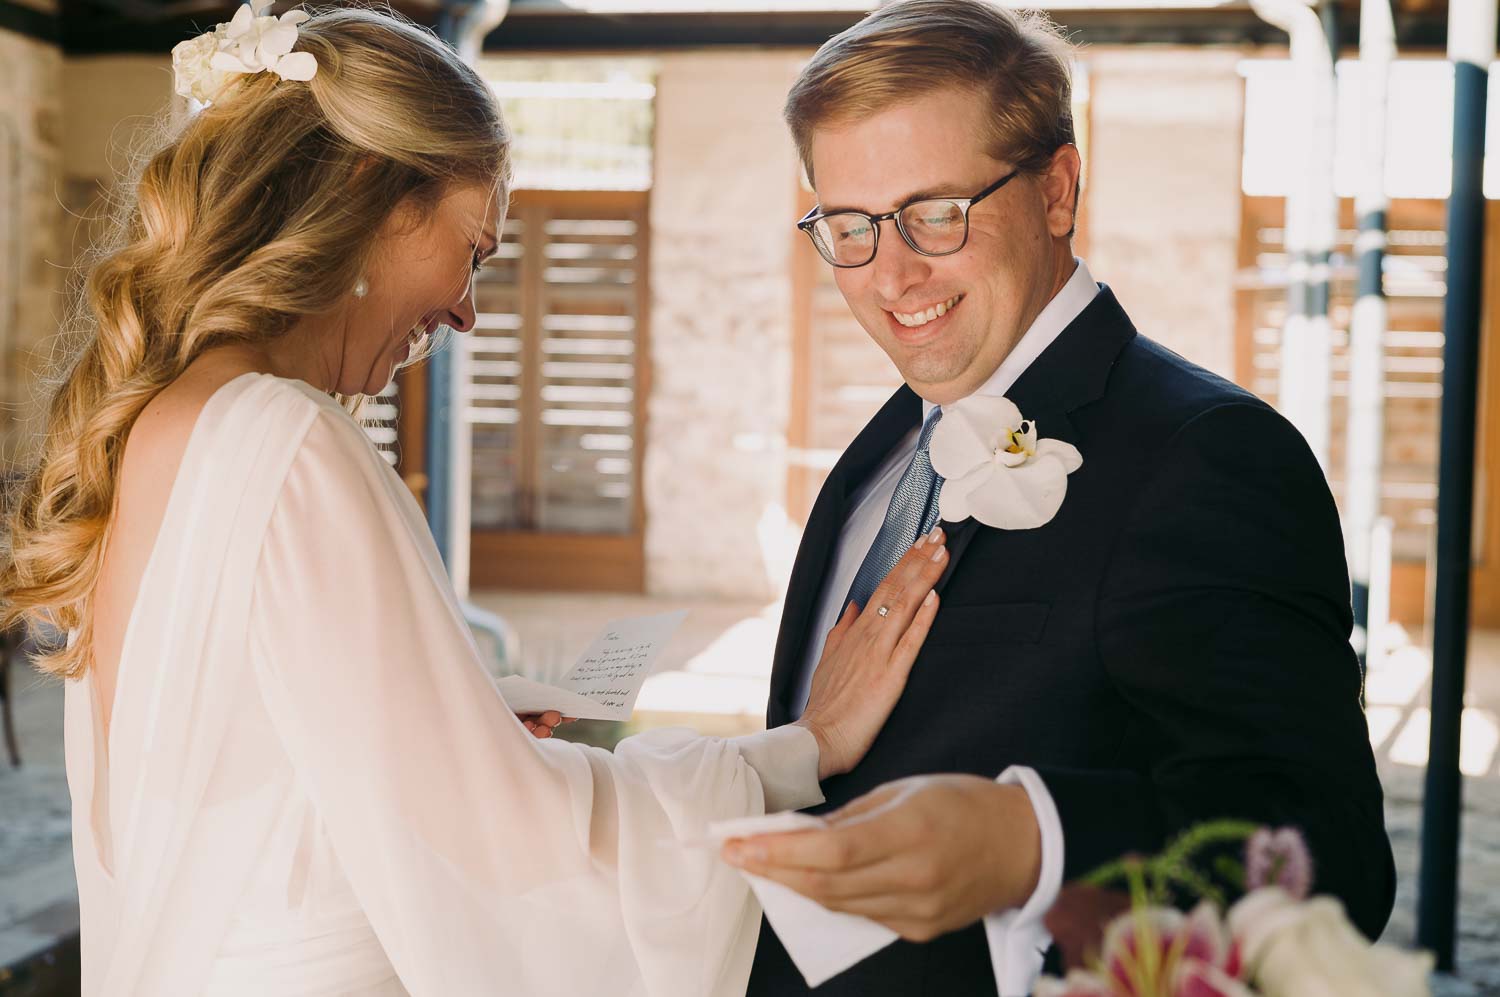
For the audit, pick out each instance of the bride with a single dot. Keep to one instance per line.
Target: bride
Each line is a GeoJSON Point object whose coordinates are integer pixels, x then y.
{"type": "Point", "coordinates": [290, 773]}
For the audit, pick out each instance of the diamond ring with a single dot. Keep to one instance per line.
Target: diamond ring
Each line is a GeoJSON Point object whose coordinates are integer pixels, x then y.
{"type": "Point", "coordinates": [883, 611]}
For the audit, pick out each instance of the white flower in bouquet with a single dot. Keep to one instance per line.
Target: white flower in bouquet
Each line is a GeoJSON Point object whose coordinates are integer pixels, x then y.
{"type": "Point", "coordinates": [1309, 949]}
{"type": "Point", "coordinates": [1275, 942]}
{"type": "Point", "coordinates": [1159, 952]}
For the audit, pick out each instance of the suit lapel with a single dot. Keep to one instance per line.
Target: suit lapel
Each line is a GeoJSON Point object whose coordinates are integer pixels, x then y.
{"type": "Point", "coordinates": [819, 540]}
{"type": "Point", "coordinates": [1069, 374]}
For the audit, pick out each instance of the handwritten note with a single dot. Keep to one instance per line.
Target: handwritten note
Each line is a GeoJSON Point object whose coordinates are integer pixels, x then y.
{"type": "Point", "coordinates": [604, 683]}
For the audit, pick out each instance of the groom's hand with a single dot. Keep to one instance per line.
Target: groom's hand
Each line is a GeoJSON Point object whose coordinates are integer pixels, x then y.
{"type": "Point", "coordinates": [923, 856]}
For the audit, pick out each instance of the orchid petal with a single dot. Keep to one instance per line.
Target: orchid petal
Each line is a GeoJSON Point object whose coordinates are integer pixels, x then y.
{"type": "Point", "coordinates": [953, 500]}
{"type": "Point", "coordinates": [245, 50]}
{"type": "Point", "coordinates": [300, 66]}
{"type": "Point", "coordinates": [240, 22]}
{"type": "Point", "coordinates": [994, 418]}
{"type": "Point", "coordinates": [1029, 496]}
{"type": "Point", "coordinates": [276, 41]}
{"type": "Point", "coordinates": [228, 62]}
{"type": "Point", "coordinates": [1024, 478]}
{"type": "Point", "coordinates": [295, 17]}
{"type": "Point", "coordinates": [1066, 452]}
{"type": "Point", "coordinates": [989, 410]}
{"type": "Point", "coordinates": [956, 448]}
{"type": "Point", "coordinates": [1027, 438]}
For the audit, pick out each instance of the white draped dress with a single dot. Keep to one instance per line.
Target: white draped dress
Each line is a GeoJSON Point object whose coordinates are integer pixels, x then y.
{"type": "Point", "coordinates": [311, 785]}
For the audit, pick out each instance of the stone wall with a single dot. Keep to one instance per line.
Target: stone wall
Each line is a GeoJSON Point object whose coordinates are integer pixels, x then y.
{"type": "Point", "coordinates": [31, 123]}
{"type": "Point", "coordinates": [1161, 213]}
{"type": "Point", "coordinates": [113, 104]}
{"type": "Point", "coordinates": [75, 124]}
{"type": "Point", "coordinates": [721, 206]}
{"type": "Point", "coordinates": [1162, 201]}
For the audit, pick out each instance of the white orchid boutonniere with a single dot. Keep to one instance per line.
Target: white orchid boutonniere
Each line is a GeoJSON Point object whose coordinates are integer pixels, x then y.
{"type": "Point", "coordinates": [253, 42]}
{"type": "Point", "coordinates": [995, 468]}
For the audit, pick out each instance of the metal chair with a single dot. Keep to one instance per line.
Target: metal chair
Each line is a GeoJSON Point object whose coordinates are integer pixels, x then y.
{"type": "Point", "coordinates": [10, 647]}
{"type": "Point", "coordinates": [10, 650]}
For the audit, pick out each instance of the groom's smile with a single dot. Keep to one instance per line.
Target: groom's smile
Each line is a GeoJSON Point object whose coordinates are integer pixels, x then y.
{"type": "Point", "coordinates": [922, 326]}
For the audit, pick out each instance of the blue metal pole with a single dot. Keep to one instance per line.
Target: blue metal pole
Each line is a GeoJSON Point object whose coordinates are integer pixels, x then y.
{"type": "Point", "coordinates": [440, 447]}
{"type": "Point", "coordinates": [1442, 804]}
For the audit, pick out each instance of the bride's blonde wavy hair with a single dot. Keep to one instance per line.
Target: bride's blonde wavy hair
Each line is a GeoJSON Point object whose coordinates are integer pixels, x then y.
{"type": "Point", "coordinates": [257, 211]}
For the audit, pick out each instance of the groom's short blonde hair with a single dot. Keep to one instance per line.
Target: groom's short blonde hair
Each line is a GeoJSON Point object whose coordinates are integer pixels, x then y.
{"type": "Point", "coordinates": [1020, 61]}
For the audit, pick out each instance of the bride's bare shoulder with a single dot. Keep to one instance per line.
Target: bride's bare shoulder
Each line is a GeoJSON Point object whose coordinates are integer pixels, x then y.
{"type": "Point", "coordinates": [164, 425]}
{"type": "Point", "coordinates": [154, 449]}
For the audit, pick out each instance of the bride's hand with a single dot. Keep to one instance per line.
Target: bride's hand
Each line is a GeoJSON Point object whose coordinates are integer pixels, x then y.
{"type": "Point", "coordinates": [868, 657]}
{"type": "Point", "coordinates": [541, 725]}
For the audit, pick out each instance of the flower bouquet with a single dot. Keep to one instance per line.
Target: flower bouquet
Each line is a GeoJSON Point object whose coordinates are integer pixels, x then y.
{"type": "Point", "coordinates": [1275, 941]}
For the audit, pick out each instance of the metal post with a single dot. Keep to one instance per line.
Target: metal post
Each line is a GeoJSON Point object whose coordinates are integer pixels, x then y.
{"type": "Point", "coordinates": [1471, 47]}
{"type": "Point", "coordinates": [1311, 222]}
{"type": "Point", "coordinates": [1380, 594]}
{"type": "Point", "coordinates": [439, 458]}
{"type": "Point", "coordinates": [1365, 427]}
{"type": "Point", "coordinates": [463, 25]}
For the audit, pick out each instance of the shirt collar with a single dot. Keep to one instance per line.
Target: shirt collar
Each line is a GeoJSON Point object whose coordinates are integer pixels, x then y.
{"type": "Point", "coordinates": [1060, 312]}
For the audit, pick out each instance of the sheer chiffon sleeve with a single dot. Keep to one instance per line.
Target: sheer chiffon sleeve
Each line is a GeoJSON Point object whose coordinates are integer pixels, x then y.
{"type": "Point", "coordinates": [487, 861]}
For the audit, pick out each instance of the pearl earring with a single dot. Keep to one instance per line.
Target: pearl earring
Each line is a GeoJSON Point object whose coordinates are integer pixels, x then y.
{"type": "Point", "coordinates": [361, 288]}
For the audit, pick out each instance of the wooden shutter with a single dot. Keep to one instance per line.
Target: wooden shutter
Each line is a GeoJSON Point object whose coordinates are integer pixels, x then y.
{"type": "Point", "coordinates": [556, 395]}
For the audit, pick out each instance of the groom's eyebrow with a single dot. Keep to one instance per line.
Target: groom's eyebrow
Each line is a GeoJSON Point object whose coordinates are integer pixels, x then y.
{"type": "Point", "coordinates": [942, 190]}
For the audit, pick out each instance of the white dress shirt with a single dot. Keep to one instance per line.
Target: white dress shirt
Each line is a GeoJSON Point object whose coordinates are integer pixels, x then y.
{"type": "Point", "coordinates": [1017, 938]}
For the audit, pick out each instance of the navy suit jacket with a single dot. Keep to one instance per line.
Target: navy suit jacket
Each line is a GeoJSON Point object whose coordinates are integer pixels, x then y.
{"type": "Point", "coordinates": [1172, 647]}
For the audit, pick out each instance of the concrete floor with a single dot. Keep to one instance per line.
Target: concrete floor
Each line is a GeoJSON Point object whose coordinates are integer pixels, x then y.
{"type": "Point", "coordinates": [712, 676]}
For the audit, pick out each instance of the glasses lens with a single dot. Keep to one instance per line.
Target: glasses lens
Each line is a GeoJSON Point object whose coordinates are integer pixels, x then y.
{"type": "Point", "coordinates": [935, 226]}
{"type": "Point", "coordinates": [845, 239]}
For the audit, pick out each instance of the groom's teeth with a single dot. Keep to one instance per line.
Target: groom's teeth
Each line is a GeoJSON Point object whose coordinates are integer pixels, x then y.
{"type": "Point", "coordinates": [915, 319]}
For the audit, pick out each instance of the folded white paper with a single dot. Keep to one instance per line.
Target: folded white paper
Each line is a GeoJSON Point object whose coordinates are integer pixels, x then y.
{"type": "Point", "coordinates": [821, 942]}
{"type": "Point", "coordinates": [603, 685]}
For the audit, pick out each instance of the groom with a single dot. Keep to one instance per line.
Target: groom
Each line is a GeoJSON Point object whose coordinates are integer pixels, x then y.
{"type": "Point", "coordinates": [1170, 646]}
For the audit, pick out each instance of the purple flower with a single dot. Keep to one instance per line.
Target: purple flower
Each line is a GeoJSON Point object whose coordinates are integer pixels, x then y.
{"type": "Point", "coordinates": [1278, 858]}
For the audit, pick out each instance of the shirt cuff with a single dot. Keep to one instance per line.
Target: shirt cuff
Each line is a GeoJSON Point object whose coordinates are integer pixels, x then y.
{"type": "Point", "coordinates": [786, 759]}
{"type": "Point", "coordinates": [1018, 938]}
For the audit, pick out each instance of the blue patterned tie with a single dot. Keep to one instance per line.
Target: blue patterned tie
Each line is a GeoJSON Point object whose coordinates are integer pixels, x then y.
{"type": "Point", "coordinates": [913, 511]}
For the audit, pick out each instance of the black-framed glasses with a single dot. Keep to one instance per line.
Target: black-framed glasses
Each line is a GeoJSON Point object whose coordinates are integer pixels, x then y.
{"type": "Point", "coordinates": [933, 226]}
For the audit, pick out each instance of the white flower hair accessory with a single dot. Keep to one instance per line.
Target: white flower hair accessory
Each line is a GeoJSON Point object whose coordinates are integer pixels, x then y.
{"type": "Point", "coordinates": [253, 42]}
{"type": "Point", "coordinates": [995, 468]}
